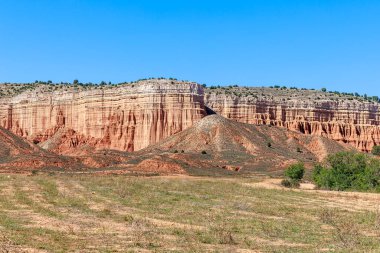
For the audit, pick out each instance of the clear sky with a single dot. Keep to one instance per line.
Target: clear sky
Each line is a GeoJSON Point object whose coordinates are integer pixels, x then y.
{"type": "Point", "coordinates": [306, 43]}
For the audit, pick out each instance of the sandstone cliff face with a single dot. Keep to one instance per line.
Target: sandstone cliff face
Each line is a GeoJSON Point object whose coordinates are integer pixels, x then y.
{"type": "Point", "coordinates": [128, 117]}
{"type": "Point", "coordinates": [133, 116]}
{"type": "Point", "coordinates": [345, 120]}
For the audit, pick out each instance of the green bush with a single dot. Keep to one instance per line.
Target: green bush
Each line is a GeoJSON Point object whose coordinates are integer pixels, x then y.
{"type": "Point", "coordinates": [295, 172]}
{"type": "Point", "coordinates": [376, 150]}
{"type": "Point", "coordinates": [348, 171]}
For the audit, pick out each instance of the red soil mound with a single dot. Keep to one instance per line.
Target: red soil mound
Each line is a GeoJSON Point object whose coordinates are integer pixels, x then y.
{"type": "Point", "coordinates": [19, 155]}
{"type": "Point", "coordinates": [217, 142]}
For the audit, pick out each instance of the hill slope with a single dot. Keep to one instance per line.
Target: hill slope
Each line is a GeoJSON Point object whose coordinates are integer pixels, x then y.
{"type": "Point", "coordinates": [19, 155]}
{"type": "Point", "coordinates": [219, 143]}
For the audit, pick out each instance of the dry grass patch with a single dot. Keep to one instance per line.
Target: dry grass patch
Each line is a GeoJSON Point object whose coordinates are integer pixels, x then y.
{"type": "Point", "coordinates": [65, 213]}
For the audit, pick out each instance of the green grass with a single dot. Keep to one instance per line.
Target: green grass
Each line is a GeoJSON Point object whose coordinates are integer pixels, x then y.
{"type": "Point", "coordinates": [86, 213]}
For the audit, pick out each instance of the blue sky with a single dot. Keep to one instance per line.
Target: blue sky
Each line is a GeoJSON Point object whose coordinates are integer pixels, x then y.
{"type": "Point", "coordinates": [308, 43]}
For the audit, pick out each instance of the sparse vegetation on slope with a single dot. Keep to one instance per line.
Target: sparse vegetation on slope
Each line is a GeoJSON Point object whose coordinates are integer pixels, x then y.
{"type": "Point", "coordinates": [276, 92]}
{"type": "Point", "coordinates": [13, 89]}
{"type": "Point", "coordinates": [283, 93]}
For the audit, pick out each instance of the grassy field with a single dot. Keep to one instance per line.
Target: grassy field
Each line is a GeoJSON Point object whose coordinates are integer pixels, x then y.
{"type": "Point", "coordinates": [87, 213]}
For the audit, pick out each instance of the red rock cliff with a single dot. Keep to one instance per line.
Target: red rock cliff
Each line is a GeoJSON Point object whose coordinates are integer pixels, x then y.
{"type": "Point", "coordinates": [339, 117]}
{"type": "Point", "coordinates": [127, 117]}
{"type": "Point", "coordinates": [132, 116]}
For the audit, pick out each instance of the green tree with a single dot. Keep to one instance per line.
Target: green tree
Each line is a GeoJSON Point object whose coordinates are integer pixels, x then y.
{"type": "Point", "coordinates": [348, 171]}
{"type": "Point", "coordinates": [295, 172]}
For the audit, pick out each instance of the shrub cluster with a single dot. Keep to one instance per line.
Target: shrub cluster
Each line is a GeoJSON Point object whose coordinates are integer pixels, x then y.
{"type": "Point", "coordinates": [348, 171]}
{"type": "Point", "coordinates": [294, 175]}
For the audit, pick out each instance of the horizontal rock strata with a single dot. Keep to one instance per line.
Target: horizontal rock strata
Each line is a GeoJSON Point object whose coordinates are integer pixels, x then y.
{"type": "Point", "coordinates": [127, 117]}
{"type": "Point", "coordinates": [349, 121]}
{"type": "Point", "coordinates": [133, 116]}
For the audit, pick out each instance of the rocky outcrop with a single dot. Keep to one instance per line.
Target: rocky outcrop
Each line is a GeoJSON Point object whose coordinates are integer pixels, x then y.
{"type": "Point", "coordinates": [70, 119]}
{"type": "Point", "coordinates": [346, 120]}
{"type": "Point", "coordinates": [125, 117]}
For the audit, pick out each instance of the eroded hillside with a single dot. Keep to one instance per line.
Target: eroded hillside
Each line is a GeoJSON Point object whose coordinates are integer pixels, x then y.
{"type": "Point", "coordinates": [346, 118]}
{"type": "Point", "coordinates": [131, 116]}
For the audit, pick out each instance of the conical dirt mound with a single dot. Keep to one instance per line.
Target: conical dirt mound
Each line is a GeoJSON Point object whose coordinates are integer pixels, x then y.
{"type": "Point", "coordinates": [217, 142]}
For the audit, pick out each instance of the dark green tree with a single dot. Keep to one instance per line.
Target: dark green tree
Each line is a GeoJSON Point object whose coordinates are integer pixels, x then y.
{"type": "Point", "coordinates": [295, 172]}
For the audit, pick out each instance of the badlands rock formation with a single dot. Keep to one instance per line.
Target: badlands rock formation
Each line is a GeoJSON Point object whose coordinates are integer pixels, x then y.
{"type": "Point", "coordinates": [70, 119]}
{"type": "Point", "coordinates": [220, 144]}
{"type": "Point", "coordinates": [126, 117]}
{"type": "Point", "coordinates": [338, 117]}
{"type": "Point", "coordinates": [18, 155]}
